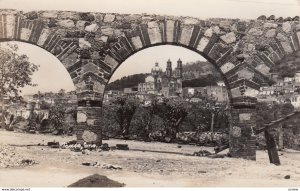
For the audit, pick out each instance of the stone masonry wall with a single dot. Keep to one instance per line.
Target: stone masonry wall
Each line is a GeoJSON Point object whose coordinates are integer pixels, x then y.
{"type": "Point", "coordinates": [92, 45]}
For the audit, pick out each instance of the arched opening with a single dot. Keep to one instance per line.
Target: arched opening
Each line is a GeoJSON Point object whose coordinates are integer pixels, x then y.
{"type": "Point", "coordinates": [53, 93]}
{"type": "Point", "coordinates": [200, 94]}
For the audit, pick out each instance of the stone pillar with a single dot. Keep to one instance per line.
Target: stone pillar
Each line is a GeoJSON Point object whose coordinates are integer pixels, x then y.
{"type": "Point", "coordinates": [242, 139]}
{"type": "Point", "coordinates": [88, 127]}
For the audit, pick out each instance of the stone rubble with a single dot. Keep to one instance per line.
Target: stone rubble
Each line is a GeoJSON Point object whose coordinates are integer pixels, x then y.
{"type": "Point", "coordinates": [84, 148]}
{"type": "Point", "coordinates": [103, 165]}
{"type": "Point", "coordinates": [9, 158]}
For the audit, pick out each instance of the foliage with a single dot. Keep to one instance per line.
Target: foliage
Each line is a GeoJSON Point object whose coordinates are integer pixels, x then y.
{"type": "Point", "coordinates": [173, 112]}
{"type": "Point", "coordinates": [124, 110]}
{"type": "Point", "coordinates": [288, 65]}
{"type": "Point", "coordinates": [15, 72]}
{"type": "Point", "coordinates": [44, 105]}
{"type": "Point", "coordinates": [200, 116]}
{"type": "Point", "coordinates": [202, 81]}
{"type": "Point", "coordinates": [267, 113]}
{"type": "Point", "coordinates": [57, 116]}
{"type": "Point", "coordinates": [144, 119]}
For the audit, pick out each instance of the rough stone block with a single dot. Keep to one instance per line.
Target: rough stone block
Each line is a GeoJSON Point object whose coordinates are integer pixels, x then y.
{"type": "Point", "coordinates": [255, 32]}
{"type": "Point", "coordinates": [251, 92]}
{"type": "Point", "coordinates": [81, 117]}
{"type": "Point", "coordinates": [225, 25]}
{"type": "Point", "coordinates": [216, 29]}
{"type": "Point", "coordinates": [98, 87]}
{"type": "Point", "coordinates": [103, 38]}
{"type": "Point", "coordinates": [170, 30]}
{"type": "Point", "coordinates": [235, 92]}
{"type": "Point", "coordinates": [229, 38]}
{"type": "Point", "coordinates": [250, 47]}
{"type": "Point", "coordinates": [287, 47]}
{"type": "Point", "coordinates": [281, 37]}
{"type": "Point", "coordinates": [286, 27]}
{"type": "Point", "coordinates": [106, 30]}
{"type": "Point", "coordinates": [131, 18]}
{"type": "Point", "coordinates": [152, 24]}
{"type": "Point", "coordinates": [270, 25]}
{"type": "Point", "coordinates": [270, 33]}
{"type": "Point", "coordinates": [25, 34]}
{"type": "Point", "coordinates": [186, 35]}
{"type": "Point", "coordinates": [90, 67]}
{"type": "Point", "coordinates": [68, 15]}
{"type": "Point", "coordinates": [118, 32]}
{"type": "Point", "coordinates": [245, 117]}
{"type": "Point", "coordinates": [80, 86]}
{"type": "Point", "coordinates": [137, 42]}
{"type": "Point", "coordinates": [43, 37]}
{"type": "Point", "coordinates": [190, 21]}
{"type": "Point", "coordinates": [154, 32]}
{"type": "Point", "coordinates": [111, 62]}
{"type": "Point", "coordinates": [236, 131]}
{"type": "Point", "coordinates": [245, 74]}
{"type": "Point", "coordinates": [49, 14]}
{"type": "Point", "coordinates": [208, 32]}
{"type": "Point", "coordinates": [81, 24]}
{"type": "Point", "coordinates": [90, 122]}
{"type": "Point", "coordinates": [264, 69]}
{"type": "Point", "coordinates": [89, 136]}
{"type": "Point", "coordinates": [227, 67]}
{"type": "Point", "coordinates": [92, 28]}
{"type": "Point", "coordinates": [202, 44]}
{"type": "Point", "coordinates": [66, 23]}
{"type": "Point", "coordinates": [10, 26]}
{"type": "Point", "coordinates": [108, 18]}
{"type": "Point", "coordinates": [84, 44]}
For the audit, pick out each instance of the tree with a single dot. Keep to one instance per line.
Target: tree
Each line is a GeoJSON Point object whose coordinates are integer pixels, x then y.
{"type": "Point", "coordinates": [57, 116]}
{"type": "Point", "coordinates": [15, 73]}
{"type": "Point", "coordinates": [208, 115]}
{"type": "Point", "coordinates": [124, 110]}
{"type": "Point", "coordinates": [173, 112]}
{"type": "Point", "coordinates": [268, 113]}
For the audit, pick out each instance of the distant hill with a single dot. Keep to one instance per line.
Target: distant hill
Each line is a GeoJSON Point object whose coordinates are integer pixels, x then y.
{"type": "Point", "coordinates": [126, 82]}
{"type": "Point", "coordinates": [195, 74]}
{"type": "Point", "coordinates": [199, 70]}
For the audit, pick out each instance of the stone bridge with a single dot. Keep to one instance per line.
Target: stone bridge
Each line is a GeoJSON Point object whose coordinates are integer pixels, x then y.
{"type": "Point", "coordinates": [91, 46]}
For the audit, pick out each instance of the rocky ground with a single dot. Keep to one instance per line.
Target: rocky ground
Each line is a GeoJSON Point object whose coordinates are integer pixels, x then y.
{"type": "Point", "coordinates": [144, 164]}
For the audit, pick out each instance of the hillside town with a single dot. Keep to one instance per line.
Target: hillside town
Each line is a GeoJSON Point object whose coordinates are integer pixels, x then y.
{"type": "Point", "coordinates": [168, 84]}
{"type": "Point", "coordinates": [286, 90]}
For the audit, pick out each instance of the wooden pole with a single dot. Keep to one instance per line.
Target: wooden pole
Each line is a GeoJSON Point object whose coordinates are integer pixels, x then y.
{"type": "Point", "coordinates": [271, 147]}
{"type": "Point", "coordinates": [280, 137]}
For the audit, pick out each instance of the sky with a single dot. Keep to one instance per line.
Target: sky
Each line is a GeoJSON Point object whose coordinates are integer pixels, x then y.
{"type": "Point", "coordinates": [52, 76]}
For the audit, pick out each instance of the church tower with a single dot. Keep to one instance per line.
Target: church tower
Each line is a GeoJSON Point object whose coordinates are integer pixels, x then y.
{"type": "Point", "coordinates": [178, 75]}
{"type": "Point", "coordinates": [178, 69]}
{"type": "Point", "coordinates": [169, 68]}
{"type": "Point", "coordinates": [156, 70]}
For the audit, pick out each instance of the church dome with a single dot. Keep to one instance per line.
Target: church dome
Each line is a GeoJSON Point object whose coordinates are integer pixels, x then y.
{"type": "Point", "coordinates": [156, 68]}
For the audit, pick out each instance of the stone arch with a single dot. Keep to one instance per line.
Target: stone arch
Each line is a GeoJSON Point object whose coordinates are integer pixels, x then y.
{"type": "Point", "coordinates": [92, 45]}
{"type": "Point", "coordinates": [177, 45]}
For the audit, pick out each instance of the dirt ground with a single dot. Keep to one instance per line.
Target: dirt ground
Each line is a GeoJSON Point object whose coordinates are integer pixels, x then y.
{"type": "Point", "coordinates": [62, 167]}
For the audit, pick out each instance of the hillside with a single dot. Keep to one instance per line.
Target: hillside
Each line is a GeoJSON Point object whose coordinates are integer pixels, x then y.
{"type": "Point", "coordinates": [195, 74]}
{"type": "Point", "coordinates": [199, 69]}
{"type": "Point", "coordinates": [288, 65]}
{"type": "Point", "coordinates": [126, 82]}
